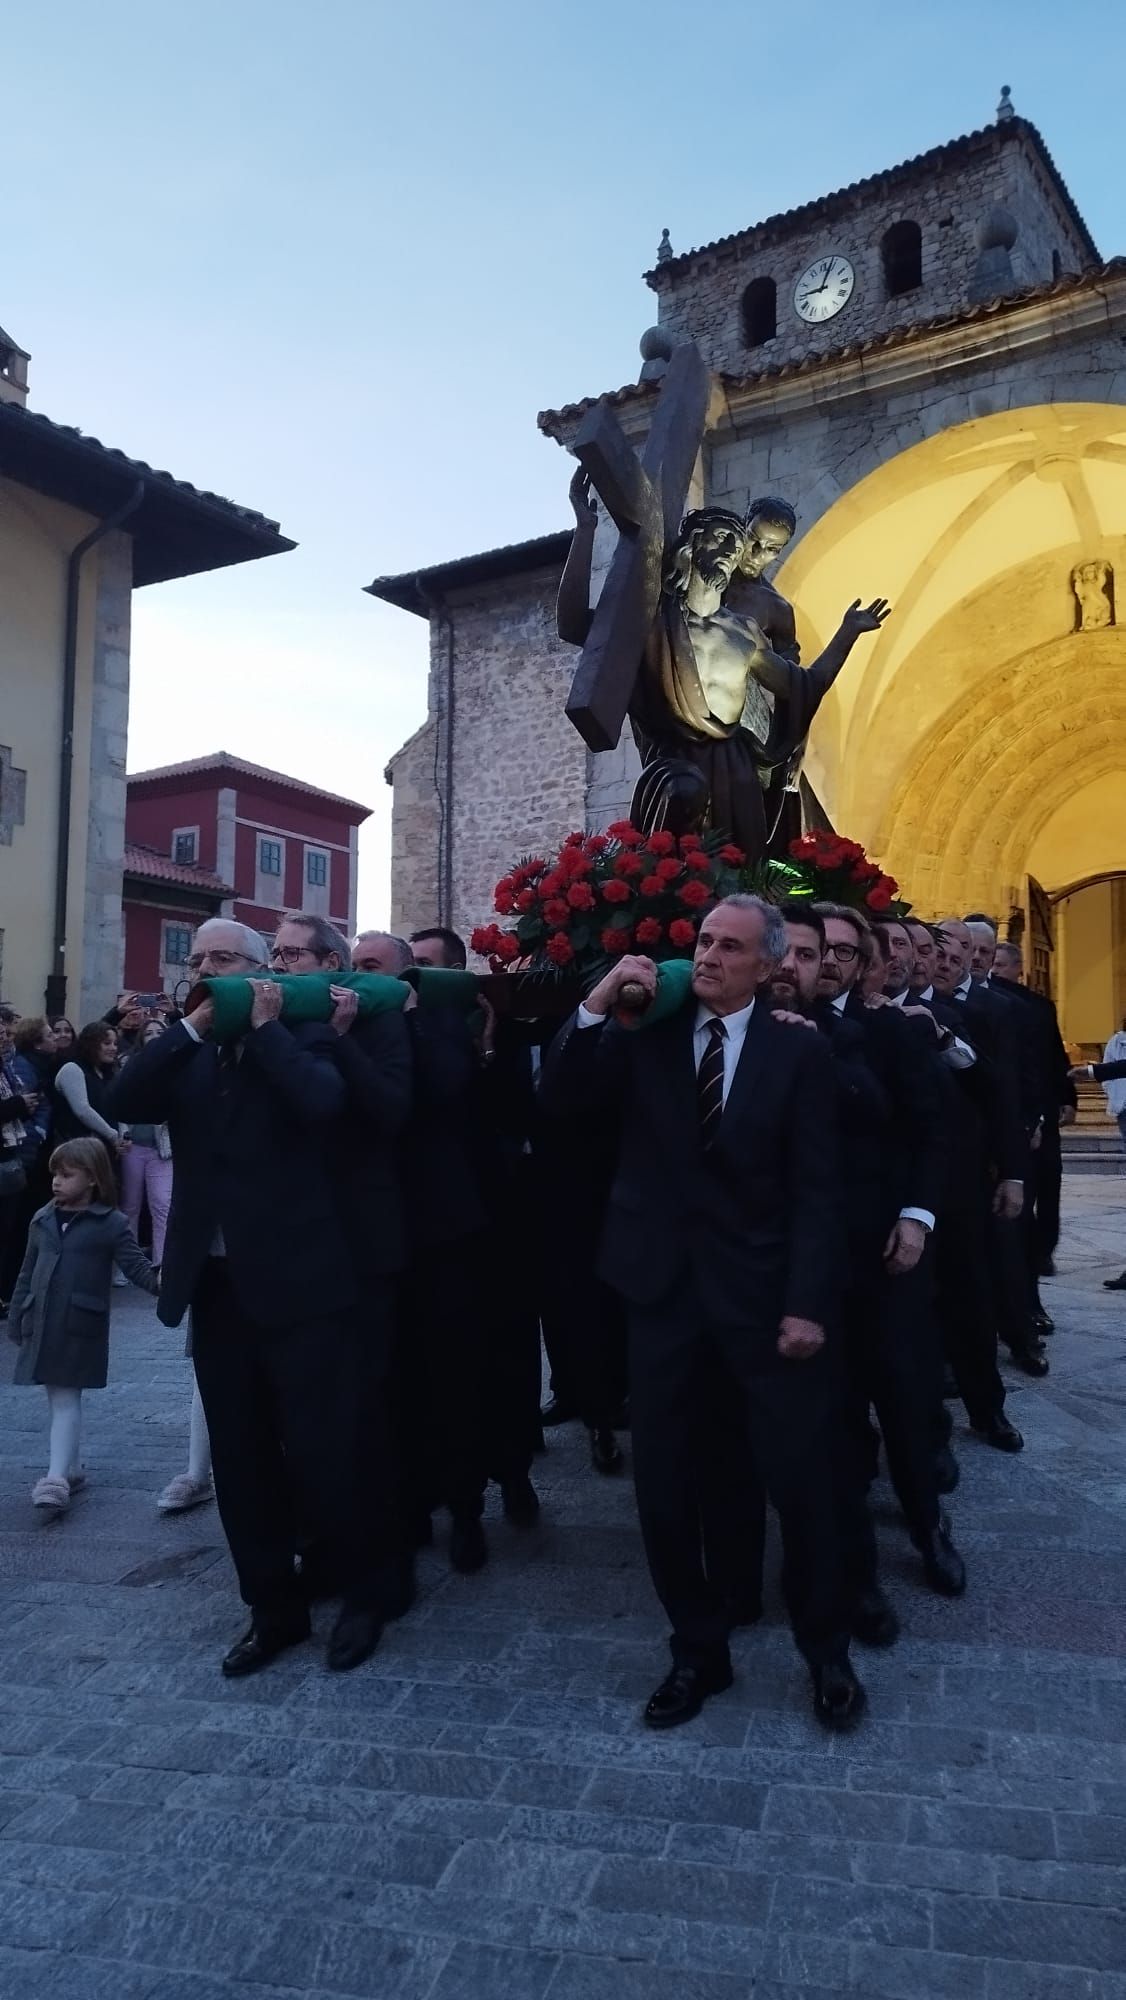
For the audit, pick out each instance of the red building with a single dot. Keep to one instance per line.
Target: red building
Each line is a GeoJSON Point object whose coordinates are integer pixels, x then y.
{"type": "Point", "coordinates": [220, 837]}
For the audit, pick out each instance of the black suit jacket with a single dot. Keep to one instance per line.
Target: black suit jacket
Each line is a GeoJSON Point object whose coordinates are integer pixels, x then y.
{"type": "Point", "coordinates": [754, 1222]}
{"type": "Point", "coordinates": [1053, 1085]}
{"type": "Point", "coordinates": [996, 1030]}
{"type": "Point", "coordinates": [447, 1166]}
{"type": "Point", "coordinates": [903, 1161]}
{"type": "Point", "coordinates": [250, 1144]}
{"type": "Point", "coordinates": [376, 1062]}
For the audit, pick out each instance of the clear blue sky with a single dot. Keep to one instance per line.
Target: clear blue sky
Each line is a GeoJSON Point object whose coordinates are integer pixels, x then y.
{"type": "Point", "coordinates": [330, 261]}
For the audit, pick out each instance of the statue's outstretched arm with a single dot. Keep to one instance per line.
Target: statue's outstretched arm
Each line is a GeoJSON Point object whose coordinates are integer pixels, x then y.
{"type": "Point", "coordinates": [857, 620]}
{"type": "Point", "coordinates": [573, 614]}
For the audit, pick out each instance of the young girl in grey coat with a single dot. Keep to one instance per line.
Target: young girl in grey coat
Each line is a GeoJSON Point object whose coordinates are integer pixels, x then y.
{"type": "Point", "coordinates": [59, 1315]}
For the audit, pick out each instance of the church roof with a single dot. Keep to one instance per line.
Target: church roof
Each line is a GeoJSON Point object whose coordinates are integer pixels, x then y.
{"type": "Point", "coordinates": [416, 589]}
{"type": "Point", "coordinates": [552, 422]}
{"type": "Point", "coordinates": [177, 530]}
{"type": "Point", "coordinates": [149, 865]}
{"type": "Point", "coordinates": [924, 166]}
{"type": "Point", "coordinates": [166, 776]}
{"type": "Point", "coordinates": [13, 346]}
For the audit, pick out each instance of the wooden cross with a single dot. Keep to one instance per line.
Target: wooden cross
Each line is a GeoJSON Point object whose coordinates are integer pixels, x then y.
{"type": "Point", "coordinates": [645, 497]}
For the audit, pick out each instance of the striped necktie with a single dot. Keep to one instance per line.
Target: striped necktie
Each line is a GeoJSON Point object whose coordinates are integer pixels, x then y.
{"type": "Point", "coordinates": [709, 1084]}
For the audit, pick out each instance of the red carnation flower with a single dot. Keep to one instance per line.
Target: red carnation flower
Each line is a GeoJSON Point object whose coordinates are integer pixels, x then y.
{"type": "Point", "coordinates": [615, 891]}
{"type": "Point", "coordinates": [667, 871]}
{"type": "Point", "coordinates": [661, 843]}
{"type": "Point", "coordinates": [559, 949]}
{"type": "Point", "coordinates": [574, 840]}
{"type": "Point", "coordinates": [864, 871]}
{"type": "Point", "coordinates": [580, 895]}
{"type": "Point", "coordinates": [878, 898]}
{"type": "Point", "coordinates": [652, 886]}
{"type": "Point", "coordinates": [504, 902]}
{"type": "Point", "coordinates": [629, 865]}
{"type": "Point", "coordinates": [573, 863]}
{"type": "Point", "coordinates": [649, 931]}
{"type": "Point", "coordinates": [556, 911]}
{"type": "Point", "coordinates": [615, 942]}
{"type": "Point", "coordinates": [526, 900]}
{"type": "Point", "coordinates": [695, 894]}
{"type": "Point", "coordinates": [506, 947]}
{"type": "Point", "coordinates": [681, 932]}
{"type": "Point", "coordinates": [698, 860]}
{"type": "Point", "coordinates": [734, 856]}
{"type": "Point", "coordinates": [689, 842]}
{"type": "Point", "coordinates": [595, 843]}
{"type": "Point", "coordinates": [625, 833]}
{"type": "Point", "coordinates": [483, 939]}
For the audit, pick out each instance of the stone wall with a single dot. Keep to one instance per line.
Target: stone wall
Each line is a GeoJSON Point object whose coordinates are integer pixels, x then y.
{"type": "Point", "coordinates": [519, 767]}
{"type": "Point", "coordinates": [103, 943]}
{"type": "Point", "coordinates": [702, 301]}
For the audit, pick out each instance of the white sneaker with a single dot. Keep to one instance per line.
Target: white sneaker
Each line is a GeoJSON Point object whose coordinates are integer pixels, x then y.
{"type": "Point", "coordinates": [184, 1492]}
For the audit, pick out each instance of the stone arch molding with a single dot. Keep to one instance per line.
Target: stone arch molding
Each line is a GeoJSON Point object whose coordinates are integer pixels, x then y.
{"type": "Point", "coordinates": [966, 810]}
{"type": "Point", "coordinates": [989, 514]}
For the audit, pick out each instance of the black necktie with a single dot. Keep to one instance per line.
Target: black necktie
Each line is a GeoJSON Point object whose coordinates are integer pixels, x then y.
{"type": "Point", "coordinates": [709, 1084]}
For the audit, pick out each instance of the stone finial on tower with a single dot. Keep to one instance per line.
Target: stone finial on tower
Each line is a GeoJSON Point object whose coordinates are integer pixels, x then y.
{"type": "Point", "coordinates": [1006, 109]}
{"type": "Point", "coordinates": [996, 233]}
{"type": "Point", "coordinates": [13, 370]}
{"type": "Point", "coordinates": [656, 346]}
{"type": "Point", "coordinates": [664, 249]}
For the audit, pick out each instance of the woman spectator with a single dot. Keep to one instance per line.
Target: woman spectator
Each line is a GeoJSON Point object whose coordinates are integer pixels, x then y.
{"type": "Point", "coordinates": [146, 1169]}
{"type": "Point", "coordinates": [16, 1108]}
{"type": "Point", "coordinates": [31, 1069]}
{"type": "Point", "coordinates": [81, 1086]}
{"type": "Point", "coordinates": [65, 1039]}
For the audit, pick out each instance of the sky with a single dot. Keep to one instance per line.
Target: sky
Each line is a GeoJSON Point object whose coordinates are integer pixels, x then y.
{"type": "Point", "coordinates": [330, 262]}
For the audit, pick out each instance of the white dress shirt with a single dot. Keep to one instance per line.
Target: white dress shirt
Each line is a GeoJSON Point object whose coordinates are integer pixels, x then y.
{"type": "Point", "coordinates": [922, 1215]}
{"type": "Point", "coordinates": [735, 1033]}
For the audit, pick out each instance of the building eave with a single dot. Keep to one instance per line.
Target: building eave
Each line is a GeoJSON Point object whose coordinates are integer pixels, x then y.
{"type": "Point", "coordinates": [166, 778]}
{"type": "Point", "coordinates": [417, 590]}
{"type": "Point", "coordinates": [177, 530]}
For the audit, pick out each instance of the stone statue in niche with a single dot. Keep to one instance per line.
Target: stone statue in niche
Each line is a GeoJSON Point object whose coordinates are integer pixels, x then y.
{"type": "Point", "coordinates": [1093, 585]}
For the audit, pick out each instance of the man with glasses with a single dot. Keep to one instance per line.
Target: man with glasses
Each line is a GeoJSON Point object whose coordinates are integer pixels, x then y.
{"type": "Point", "coordinates": [255, 1249]}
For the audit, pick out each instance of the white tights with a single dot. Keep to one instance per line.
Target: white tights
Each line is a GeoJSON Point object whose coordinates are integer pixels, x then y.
{"type": "Point", "coordinates": [199, 1444]}
{"type": "Point", "coordinates": [65, 1409]}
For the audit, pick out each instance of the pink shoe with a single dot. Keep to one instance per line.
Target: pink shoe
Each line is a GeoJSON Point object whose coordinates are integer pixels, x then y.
{"type": "Point", "coordinates": [51, 1494]}
{"type": "Point", "coordinates": [184, 1492]}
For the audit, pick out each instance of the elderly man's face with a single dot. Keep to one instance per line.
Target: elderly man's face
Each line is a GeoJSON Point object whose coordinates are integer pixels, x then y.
{"type": "Point", "coordinates": [952, 956]}
{"type": "Point", "coordinates": [924, 957]}
{"type": "Point", "coordinates": [218, 949]}
{"type": "Point", "coordinates": [984, 951]}
{"type": "Point", "coordinates": [730, 963]}
{"type": "Point", "coordinates": [294, 951]}
{"type": "Point", "coordinates": [377, 954]}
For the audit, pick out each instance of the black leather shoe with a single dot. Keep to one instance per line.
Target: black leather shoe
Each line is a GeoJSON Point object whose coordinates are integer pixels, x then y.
{"type": "Point", "coordinates": [1046, 1268]}
{"type": "Point", "coordinates": [742, 1607]}
{"type": "Point", "coordinates": [947, 1470]}
{"type": "Point", "coordinates": [839, 1699]}
{"type": "Point", "coordinates": [874, 1622]}
{"type": "Point", "coordinates": [1030, 1361]}
{"type": "Point", "coordinates": [469, 1550]}
{"type": "Point", "coordinates": [1000, 1433]}
{"type": "Point", "coordinates": [1040, 1319]}
{"type": "Point", "coordinates": [354, 1637]}
{"type": "Point", "coordinates": [1115, 1284]}
{"type": "Point", "coordinates": [682, 1693]}
{"type": "Point", "coordinates": [263, 1643]}
{"type": "Point", "coordinates": [942, 1565]}
{"type": "Point", "coordinates": [555, 1412]}
{"type": "Point", "coordinates": [605, 1452]}
{"type": "Point", "coordinates": [520, 1501]}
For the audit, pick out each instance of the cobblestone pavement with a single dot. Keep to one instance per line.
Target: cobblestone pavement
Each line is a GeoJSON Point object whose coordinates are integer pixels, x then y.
{"type": "Point", "coordinates": [477, 1813]}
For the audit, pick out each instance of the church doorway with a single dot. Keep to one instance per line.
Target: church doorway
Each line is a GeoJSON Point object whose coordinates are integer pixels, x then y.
{"type": "Point", "coordinates": [978, 748]}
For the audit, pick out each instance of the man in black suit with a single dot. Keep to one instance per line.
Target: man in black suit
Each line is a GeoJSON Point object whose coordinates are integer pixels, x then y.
{"type": "Point", "coordinates": [723, 1236]}
{"type": "Point", "coordinates": [256, 1250]}
{"type": "Point", "coordinates": [373, 1055]}
{"type": "Point", "coordinates": [1057, 1108]}
{"type": "Point", "coordinates": [894, 1167]}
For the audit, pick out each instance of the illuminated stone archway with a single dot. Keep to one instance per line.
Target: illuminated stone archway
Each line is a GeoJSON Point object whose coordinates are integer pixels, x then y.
{"type": "Point", "coordinates": [953, 740]}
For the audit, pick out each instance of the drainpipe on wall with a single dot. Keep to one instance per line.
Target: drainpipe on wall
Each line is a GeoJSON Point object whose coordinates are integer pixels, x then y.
{"type": "Point", "coordinates": [56, 981]}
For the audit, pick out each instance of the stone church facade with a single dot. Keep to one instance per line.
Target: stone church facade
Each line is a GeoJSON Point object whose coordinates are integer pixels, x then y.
{"type": "Point", "coordinates": [930, 366]}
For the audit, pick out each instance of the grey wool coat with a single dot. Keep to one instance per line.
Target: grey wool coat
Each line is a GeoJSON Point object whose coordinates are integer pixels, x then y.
{"type": "Point", "coordinates": [59, 1314]}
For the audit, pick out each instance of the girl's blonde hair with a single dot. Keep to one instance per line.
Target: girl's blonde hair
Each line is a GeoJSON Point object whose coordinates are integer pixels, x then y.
{"type": "Point", "coordinates": [89, 1157]}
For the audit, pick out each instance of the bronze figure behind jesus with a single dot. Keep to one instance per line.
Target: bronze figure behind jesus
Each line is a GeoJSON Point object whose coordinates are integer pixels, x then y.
{"type": "Point", "coordinates": [720, 707]}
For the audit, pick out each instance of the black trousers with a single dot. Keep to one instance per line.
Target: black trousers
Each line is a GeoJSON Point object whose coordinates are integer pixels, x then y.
{"type": "Point", "coordinates": [1048, 1176]}
{"type": "Point", "coordinates": [966, 1309]}
{"type": "Point", "coordinates": [730, 1492]}
{"type": "Point", "coordinates": [673, 1351]}
{"type": "Point", "coordinates": [892, 1363]}
{"type": "Point", "coordinates": [285, 1409]}
{"type": "Point", "coordinates": [439, 1402]}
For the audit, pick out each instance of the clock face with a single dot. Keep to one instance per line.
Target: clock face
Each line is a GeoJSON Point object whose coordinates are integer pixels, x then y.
{"type": "Point", "coordinates": [822, 290]}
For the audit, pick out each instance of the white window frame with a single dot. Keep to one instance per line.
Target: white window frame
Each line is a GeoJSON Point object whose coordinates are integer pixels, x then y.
{"type": "Point", "coordinates": [180, 833]}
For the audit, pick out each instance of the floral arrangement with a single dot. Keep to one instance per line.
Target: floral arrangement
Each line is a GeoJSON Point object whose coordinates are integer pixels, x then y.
{"type": "Point", "coordinates": [608, 893]}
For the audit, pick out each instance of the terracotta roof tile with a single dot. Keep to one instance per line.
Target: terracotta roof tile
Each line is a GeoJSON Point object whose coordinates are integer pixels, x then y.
{"type": "Point", "coordinates": [221, 760]}
{"type": "Point", "coordinates": [148, 864]}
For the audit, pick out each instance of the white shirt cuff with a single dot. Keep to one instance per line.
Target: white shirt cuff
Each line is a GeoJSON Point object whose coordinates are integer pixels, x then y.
{"type": "Point", "coordinates": [585, 1019]}
{"type": "Point", "coordinates": [922, 1215]}
{"type": "Point", "coordinates": [193, 1032]}
{"type": "Point", "coordinates": [958, 1054]}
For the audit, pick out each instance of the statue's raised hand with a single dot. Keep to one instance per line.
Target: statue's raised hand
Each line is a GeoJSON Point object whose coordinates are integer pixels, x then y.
{"type": "Point", "coordinates": [579, 494]}
{"type": "Point", "coordinates": [864, 618]}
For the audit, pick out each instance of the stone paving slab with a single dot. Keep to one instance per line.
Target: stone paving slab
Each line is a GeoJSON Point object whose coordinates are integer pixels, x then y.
{"type": "Point", "coordinates": [477, 1814]}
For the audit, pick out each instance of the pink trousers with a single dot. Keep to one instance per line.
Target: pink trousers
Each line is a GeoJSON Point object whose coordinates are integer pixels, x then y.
{"type": "Point", "coordinates": [145, 1175]}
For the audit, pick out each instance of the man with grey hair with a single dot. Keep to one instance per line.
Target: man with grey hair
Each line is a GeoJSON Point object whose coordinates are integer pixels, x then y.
{"type": "Point", "coordinates": [722, 1235]}
{"type": "Point", "coordinates": [381, 951]}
